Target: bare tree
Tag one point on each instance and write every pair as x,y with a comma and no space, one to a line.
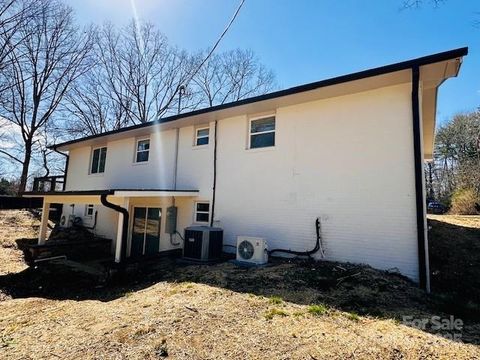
136,76
92,107
52,53
14,15
231,76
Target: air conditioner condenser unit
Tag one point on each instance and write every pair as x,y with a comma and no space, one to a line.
203,243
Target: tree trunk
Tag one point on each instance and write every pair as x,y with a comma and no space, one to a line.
430,180
26,165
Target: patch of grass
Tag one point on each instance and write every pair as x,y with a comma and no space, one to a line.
298,313
129,293
6,341
352,316
275,300
173,292
317,309
187,285
269,315
144,331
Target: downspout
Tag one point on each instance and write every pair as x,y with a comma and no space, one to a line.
417,151
175,163
214,172
124,212
66,165
181,91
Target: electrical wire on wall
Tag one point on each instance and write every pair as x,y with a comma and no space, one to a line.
172,242
318,245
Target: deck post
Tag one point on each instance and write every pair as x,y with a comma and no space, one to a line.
42,235
118,243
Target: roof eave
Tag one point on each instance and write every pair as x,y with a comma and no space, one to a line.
425,60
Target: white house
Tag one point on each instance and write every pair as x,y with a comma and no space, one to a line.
348,150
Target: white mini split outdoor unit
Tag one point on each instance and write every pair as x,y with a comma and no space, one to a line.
67,221
252,250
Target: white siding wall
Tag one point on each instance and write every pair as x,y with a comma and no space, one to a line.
347,160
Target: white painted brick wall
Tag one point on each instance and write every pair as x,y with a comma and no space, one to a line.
347,160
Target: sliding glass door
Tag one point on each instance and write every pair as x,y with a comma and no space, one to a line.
145,231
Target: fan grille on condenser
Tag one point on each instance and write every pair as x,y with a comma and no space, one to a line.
245,250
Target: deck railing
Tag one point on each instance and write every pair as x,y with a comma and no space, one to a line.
49,183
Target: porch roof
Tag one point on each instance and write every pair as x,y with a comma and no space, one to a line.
114,193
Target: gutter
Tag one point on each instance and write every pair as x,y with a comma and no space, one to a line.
124,212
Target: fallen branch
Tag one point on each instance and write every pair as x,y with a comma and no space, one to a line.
341,279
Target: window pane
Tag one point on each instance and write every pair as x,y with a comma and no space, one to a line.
203,207
88,210
262,140
142,156
143,145
153,221
202,132
267,124
202,141
103,156
202,217
95,158
139,220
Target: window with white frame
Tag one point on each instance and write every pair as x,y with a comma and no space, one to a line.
201,136
89,210
202,212
142,150
99,156
262,132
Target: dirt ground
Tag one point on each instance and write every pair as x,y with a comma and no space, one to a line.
288,310
455,263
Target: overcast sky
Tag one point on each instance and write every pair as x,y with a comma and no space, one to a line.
305,41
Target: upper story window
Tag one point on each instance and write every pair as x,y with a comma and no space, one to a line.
142,151
99,157
201,136
202,212
262,132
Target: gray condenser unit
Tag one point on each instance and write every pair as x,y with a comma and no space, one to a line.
203,243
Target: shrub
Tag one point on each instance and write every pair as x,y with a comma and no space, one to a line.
463,202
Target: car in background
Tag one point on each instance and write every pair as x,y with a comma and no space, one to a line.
434,207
